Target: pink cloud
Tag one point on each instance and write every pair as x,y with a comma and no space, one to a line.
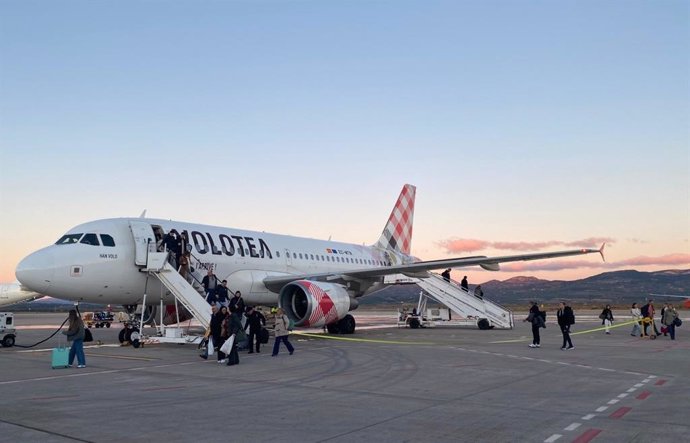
463,245
670,259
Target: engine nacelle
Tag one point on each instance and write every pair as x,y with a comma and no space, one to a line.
314,304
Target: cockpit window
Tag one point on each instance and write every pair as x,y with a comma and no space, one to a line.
69,239
90,239
107,240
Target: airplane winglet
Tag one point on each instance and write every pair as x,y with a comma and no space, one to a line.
601,252
143,214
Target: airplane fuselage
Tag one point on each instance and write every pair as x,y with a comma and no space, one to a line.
97,261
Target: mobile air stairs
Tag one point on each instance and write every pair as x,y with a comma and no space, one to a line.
190,296
487,314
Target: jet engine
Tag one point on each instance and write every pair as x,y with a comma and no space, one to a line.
314,304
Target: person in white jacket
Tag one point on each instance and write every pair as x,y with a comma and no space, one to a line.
636,315
281,332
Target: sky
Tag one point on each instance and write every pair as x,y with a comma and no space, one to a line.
526,126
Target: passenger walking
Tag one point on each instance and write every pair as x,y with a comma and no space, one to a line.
661,316
669,319
281,332
446,275
224,317
222,294
537,321
478,292
566,318
216,327
607,318
209,282
648,315
464,285
184,262
235,328
238,302
75,334
255,322
636,316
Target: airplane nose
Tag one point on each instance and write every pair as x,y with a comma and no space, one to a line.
36,270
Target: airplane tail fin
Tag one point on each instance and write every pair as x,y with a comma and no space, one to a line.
397,234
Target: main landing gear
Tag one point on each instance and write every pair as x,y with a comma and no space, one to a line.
346,325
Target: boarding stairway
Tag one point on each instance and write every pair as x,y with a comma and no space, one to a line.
465,303
189,296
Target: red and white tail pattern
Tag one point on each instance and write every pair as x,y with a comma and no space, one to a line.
397,235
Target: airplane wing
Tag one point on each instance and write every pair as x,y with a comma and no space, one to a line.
420,269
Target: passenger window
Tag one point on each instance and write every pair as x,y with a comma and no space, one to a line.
312,256
69,239
278,254
300,255
107,240
90,239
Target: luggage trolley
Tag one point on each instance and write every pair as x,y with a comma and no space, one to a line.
7,330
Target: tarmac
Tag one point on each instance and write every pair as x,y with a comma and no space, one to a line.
380,384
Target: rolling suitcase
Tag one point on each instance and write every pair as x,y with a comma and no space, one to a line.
60,357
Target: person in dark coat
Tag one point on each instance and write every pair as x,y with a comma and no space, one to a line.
224,316
255,321
209,282
170,243
222,294
535,318
606,317
566,318
446,275
235,328
216,327
464,285
238,302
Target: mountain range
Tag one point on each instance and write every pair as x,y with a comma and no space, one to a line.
618,287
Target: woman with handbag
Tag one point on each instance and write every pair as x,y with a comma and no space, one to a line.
236,334
607,318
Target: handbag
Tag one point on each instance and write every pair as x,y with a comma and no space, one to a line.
227,346
677,322
602,316
87,335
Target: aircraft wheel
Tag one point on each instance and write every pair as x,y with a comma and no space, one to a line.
133,337
414,323
347,325
483,324
107,325
333,328
122,335
8,341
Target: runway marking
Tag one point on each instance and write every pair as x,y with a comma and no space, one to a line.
85,347
572,427
601,408
165,388
620,412
613,402
589,416
86,374
639,385
623,395
587,436
646,380
631,390
660,382
55,397
553,438
643,395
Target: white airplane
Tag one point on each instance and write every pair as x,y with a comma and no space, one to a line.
317,282
12,293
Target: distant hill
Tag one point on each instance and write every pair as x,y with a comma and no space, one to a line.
610,287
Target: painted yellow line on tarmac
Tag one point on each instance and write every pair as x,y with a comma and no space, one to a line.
588,331
362,340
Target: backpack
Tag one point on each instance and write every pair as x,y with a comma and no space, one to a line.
543,315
